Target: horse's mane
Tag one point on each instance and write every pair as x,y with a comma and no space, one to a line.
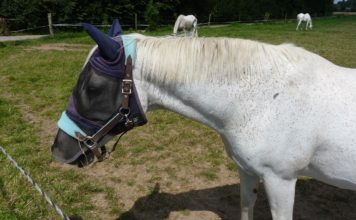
179,60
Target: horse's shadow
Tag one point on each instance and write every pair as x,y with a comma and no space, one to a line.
314,200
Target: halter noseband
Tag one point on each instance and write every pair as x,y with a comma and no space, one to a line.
69,126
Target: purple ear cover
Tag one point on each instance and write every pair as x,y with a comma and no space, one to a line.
108,47
115,29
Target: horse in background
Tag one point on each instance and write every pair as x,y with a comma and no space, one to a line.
186,24
306,18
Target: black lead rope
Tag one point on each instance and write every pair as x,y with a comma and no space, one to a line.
116,142
104,154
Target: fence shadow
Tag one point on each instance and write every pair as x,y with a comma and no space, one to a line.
314,200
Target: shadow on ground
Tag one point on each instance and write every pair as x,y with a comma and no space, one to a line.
314,200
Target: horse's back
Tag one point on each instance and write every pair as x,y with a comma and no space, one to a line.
300,16
180,17
307,16
191,18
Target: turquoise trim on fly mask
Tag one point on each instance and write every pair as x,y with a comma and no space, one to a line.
68,126
129,47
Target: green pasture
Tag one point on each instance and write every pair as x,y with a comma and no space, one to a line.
36,80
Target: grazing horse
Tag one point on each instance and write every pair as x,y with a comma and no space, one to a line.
186,24
306,18
281,111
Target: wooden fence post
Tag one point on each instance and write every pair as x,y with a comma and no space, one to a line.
50,25
3,27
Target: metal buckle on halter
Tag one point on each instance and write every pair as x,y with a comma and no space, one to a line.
125,112
90,143
87,140
126,86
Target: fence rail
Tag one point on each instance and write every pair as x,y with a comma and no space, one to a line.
344,13
214,21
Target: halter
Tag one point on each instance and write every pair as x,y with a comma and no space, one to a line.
121,122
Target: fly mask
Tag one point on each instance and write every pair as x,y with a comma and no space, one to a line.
114,59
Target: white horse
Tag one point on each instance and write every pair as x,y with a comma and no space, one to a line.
306,18
186,24
281,111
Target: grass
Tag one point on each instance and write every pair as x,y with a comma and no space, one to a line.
174,151
17,200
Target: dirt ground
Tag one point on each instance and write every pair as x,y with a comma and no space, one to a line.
61,47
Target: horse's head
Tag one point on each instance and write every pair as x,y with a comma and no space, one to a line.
104,102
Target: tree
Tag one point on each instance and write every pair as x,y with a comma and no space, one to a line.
152,15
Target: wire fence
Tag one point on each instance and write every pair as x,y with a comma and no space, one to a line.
78,26
36,186
68,26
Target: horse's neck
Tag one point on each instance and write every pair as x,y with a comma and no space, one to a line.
177,24
202,103
211,93
210,103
